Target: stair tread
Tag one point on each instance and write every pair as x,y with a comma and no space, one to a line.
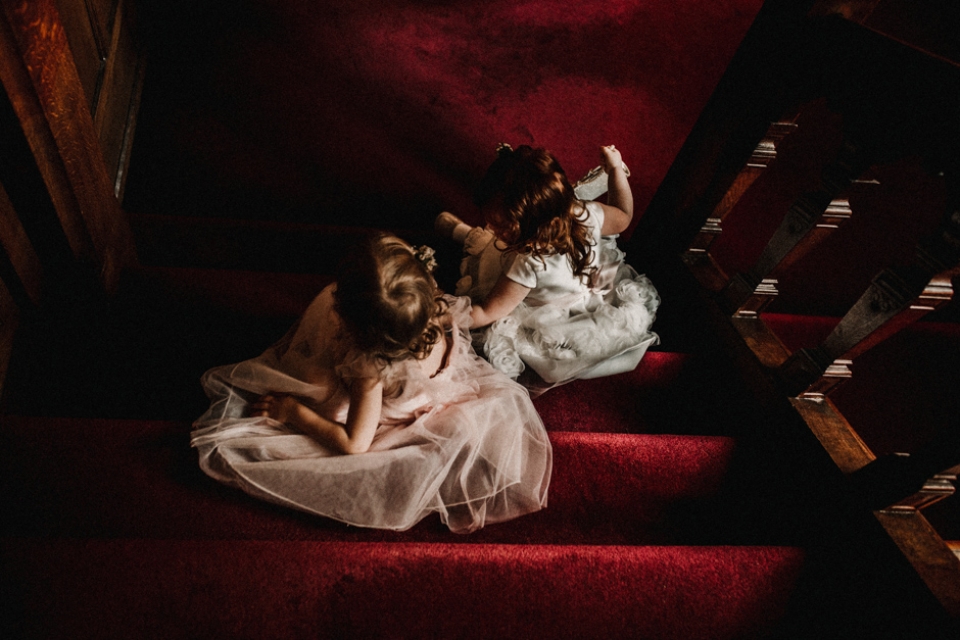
129,478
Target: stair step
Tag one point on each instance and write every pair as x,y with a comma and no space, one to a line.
140,479
297,589
613,404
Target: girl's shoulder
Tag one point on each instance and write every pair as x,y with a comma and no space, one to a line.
323,304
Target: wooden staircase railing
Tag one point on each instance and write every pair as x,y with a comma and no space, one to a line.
71,76
896,101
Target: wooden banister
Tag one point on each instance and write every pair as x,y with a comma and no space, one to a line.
65,140
802,217
20,252
897,100
697,256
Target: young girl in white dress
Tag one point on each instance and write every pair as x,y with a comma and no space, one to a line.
374,409
546,276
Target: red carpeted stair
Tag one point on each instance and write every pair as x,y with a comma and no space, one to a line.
674,511
111,530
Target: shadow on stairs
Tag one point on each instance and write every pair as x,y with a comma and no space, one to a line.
670,514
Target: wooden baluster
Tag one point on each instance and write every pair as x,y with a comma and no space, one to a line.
836,213
934,560
894,487
897,297
746,317
803,217
935,489
839,439
697,256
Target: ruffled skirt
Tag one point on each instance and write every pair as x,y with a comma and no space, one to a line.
585,336
472,450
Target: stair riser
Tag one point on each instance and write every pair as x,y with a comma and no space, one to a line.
175,589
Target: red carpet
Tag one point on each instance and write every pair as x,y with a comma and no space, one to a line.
213,589
114,523
138,479
385,113
664,520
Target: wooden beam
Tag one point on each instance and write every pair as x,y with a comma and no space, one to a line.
41,79
19,88
847,450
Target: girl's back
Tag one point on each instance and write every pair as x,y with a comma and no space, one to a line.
455,437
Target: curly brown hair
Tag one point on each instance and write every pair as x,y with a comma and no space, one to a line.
531,207
389,303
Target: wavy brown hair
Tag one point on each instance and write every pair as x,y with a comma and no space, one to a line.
390,304
531,206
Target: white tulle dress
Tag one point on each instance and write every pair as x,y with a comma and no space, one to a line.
567,327
465,443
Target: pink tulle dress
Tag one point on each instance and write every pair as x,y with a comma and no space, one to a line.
465,443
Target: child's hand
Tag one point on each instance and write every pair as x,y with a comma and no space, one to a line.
278,406
611,158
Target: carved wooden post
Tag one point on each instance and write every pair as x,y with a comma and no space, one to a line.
697,256
802,217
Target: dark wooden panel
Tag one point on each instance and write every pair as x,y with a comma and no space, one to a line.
30,113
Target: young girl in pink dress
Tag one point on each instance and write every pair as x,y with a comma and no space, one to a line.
546,277
375,411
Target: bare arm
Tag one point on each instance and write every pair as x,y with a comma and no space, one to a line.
502,299
356,436
618,212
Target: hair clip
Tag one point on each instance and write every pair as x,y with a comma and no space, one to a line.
503,149
425,255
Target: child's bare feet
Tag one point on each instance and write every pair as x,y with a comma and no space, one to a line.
280,407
